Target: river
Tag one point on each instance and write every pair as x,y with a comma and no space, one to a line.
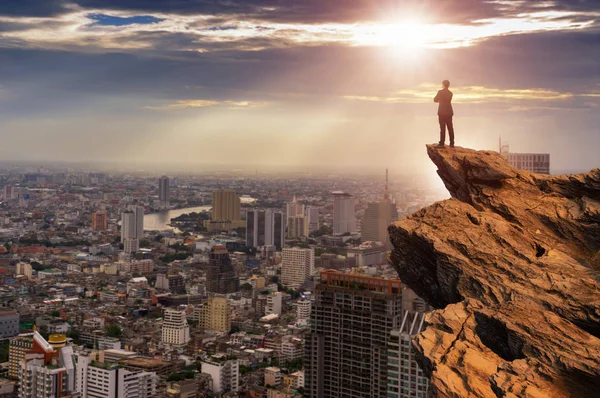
160,221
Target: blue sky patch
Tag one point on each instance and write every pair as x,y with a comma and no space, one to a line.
109,20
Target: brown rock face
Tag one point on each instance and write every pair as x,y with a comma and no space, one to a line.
512,261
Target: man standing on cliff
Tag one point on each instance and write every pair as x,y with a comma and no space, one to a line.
445,113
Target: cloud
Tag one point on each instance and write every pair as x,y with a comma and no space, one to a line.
424,93
203,103
215,29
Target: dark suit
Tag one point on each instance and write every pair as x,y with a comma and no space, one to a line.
445,113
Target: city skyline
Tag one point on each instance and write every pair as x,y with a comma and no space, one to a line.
107,81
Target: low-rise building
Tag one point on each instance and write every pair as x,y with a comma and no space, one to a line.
224,373
9,323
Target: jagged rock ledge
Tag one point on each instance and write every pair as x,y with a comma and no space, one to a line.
512,261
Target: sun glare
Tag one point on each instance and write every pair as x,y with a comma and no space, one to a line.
404,37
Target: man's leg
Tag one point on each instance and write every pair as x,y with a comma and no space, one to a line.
442,129
450,129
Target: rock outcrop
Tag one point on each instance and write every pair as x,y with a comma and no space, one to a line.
512,264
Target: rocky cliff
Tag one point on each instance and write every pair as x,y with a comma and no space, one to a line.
512,262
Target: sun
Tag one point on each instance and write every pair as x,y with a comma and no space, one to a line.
403,37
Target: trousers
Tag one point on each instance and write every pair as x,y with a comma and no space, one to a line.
446,121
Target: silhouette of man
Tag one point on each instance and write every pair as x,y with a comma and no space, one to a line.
445,113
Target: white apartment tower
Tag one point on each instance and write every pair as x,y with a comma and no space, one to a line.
312,219
224,373
175,328
296,266
297,227
132,223
274,303
131,245
46,371
344,213
96,379
163,191
303,309
534,162
405,378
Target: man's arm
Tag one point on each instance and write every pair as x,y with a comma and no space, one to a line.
437,97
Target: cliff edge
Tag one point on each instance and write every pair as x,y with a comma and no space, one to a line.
512,262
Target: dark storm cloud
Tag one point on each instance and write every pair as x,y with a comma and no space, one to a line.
305,11
19,26
32,8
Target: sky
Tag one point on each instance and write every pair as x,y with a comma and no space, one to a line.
339,84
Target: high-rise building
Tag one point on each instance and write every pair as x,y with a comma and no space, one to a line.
225,205
351,321
97,378
99,220
163,191
46,372
294,208
175,328
224,373
9,323
274,303
220,274
265,228
297,227
132,223
312,219
173,283
297,265
303,308
8,192
17,348
405,377
378,216
367,254
344,213
131,245
24,269
534,162
214,314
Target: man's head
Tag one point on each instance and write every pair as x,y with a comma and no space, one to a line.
446,83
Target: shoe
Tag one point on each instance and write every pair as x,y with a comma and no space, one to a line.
452,145
440,145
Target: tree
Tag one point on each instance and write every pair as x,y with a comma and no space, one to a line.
274,279
323,230
37,266
144,243
176,377
4,351
55,314
113,330
246,286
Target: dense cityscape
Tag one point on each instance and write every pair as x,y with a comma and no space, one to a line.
130,286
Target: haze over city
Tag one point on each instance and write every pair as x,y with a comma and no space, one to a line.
274,85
